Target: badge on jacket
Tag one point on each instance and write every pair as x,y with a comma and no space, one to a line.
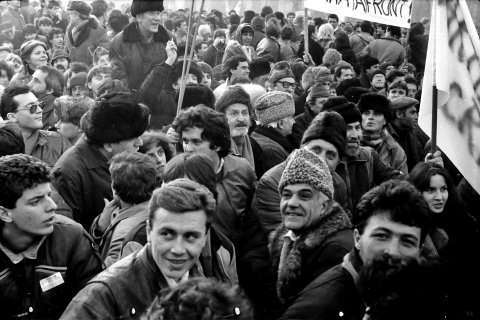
51,282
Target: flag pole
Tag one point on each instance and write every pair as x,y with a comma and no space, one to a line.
434,82
182,79
305,30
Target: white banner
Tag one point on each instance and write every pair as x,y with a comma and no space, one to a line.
390,12
453,64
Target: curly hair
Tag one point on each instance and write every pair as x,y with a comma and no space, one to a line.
183,195
202,299
71,109
155,138
133,176
195,166
400,200
18,173
214,124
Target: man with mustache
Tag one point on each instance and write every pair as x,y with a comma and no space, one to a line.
235,104
61,60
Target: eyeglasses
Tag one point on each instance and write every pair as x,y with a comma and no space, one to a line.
286,84
33,107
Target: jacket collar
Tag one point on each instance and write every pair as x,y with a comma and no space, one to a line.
272,134
128,213
132,34
92,157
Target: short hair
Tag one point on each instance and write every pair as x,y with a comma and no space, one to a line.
155,138
400,200
29,29
394,31
234,94
398,85
338,71
214,124
266,10
394,74
232,63
100,51
234,19
199,296
54,32
53,80
194,166
178,23
8,70
133,176
18,173
11,139
99,8
287,32
332,16
198,45
45,21
7,104
71,109
101,68
78,66
366,26
272,28
408,80
183,195
110,86
117,20
291,14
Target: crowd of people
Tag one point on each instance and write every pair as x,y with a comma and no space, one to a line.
263,181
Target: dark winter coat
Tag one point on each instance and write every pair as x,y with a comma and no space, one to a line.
68,250
90,38
409,142
274,145
213,56
386,49
318,248
135,59
269,45
82,178
48,115
315,50
302,122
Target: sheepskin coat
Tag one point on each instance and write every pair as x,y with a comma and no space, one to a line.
318,248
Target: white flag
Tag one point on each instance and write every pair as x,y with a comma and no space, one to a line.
453,64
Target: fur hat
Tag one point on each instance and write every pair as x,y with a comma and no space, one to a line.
81,7
348,110
374,73
318,90
60,53
346,84
233,95
116,117
280,70
304,166
196,94
328,126
353,94
274,106
259,67
375,101
194,69
322,74
141,6
255,91
402,103
78,79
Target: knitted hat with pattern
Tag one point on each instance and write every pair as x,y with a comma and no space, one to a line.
274,106
304,166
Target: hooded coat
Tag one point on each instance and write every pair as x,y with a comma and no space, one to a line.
237,48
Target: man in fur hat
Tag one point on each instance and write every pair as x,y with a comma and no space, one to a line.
82,177
141,45
84,34
315,233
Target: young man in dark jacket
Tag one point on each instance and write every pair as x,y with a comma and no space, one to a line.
44,259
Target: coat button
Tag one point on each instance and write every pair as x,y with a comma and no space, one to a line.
30,309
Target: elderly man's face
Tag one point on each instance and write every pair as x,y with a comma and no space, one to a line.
301,206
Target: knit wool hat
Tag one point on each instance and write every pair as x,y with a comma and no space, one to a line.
141,6
274,106
116,117
280,70
304,166
27,47
348,110
376,102
81,7
402,103
328,126
259,67
346,84
78,79
60,53
318,90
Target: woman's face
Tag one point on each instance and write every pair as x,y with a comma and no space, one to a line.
157,153
436,195
38,57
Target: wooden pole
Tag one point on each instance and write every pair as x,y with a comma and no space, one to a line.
182,79
305,31
434,86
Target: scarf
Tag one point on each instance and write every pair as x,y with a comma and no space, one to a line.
374,139
245,150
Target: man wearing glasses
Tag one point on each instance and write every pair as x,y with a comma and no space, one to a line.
282,78
18,104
